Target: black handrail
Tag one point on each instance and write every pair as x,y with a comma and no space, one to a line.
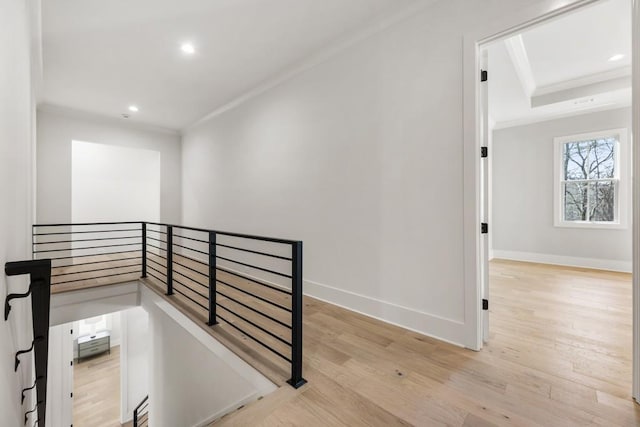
140,411
204,230
40,291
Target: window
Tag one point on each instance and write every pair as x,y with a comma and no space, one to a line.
591,175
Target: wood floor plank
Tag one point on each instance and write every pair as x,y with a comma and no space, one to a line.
96,391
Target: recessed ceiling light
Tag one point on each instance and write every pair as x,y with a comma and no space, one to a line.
616,57
188,48
133,108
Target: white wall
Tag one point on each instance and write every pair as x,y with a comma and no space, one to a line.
58,128
83,304
134,360
193,378
16,136
522,193
361,157
112,183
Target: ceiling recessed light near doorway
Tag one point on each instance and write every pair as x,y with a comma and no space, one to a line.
616,57
188,48
133,108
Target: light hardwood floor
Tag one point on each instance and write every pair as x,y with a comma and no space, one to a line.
96,391
559,356
95,270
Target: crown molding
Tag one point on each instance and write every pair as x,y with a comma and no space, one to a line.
353,38
585,91
520,59
99,118
587,80
555,116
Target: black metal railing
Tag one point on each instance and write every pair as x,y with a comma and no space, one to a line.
253,284
40,292
141,413
85,253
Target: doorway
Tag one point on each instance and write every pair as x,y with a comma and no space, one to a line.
96,370
604,90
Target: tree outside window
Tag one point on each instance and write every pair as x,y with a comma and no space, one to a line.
589,180
588,176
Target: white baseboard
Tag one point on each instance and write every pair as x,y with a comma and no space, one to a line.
444,329
447,330
595,263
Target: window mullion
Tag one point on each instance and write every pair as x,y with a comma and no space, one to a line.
588,213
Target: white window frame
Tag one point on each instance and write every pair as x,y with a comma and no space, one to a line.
623,196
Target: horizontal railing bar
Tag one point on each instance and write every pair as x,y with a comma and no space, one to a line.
95,262
154,246
161,265
275,288
255,339
155,269
222,233
261,238
190,238
193,280
253,266
255,296
157,240
254,252
96,277
153,275
226,233
179,226
88,247
254,310
88,223
85,240
157,231
83,256
85,232
159,256
192,259
266,331
189,268
191,249
187,296
191,289
95,269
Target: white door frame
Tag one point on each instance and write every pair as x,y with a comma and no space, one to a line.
498,28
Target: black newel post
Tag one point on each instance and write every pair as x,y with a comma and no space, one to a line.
296,316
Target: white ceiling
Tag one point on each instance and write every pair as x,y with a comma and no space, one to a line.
562,67
102,56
